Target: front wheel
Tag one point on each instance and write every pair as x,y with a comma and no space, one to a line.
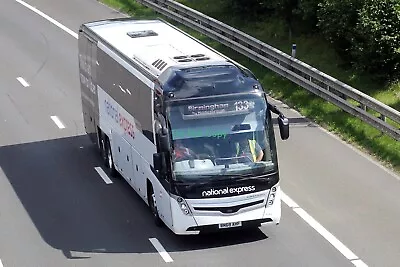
153,207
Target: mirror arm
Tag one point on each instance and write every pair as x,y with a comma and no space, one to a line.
161,119
275,110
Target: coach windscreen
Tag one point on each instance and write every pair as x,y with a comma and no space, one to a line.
217,136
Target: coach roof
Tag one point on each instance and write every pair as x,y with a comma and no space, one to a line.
154,44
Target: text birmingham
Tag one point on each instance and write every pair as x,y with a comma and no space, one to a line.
207,107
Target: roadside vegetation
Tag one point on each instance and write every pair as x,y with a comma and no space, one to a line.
360,46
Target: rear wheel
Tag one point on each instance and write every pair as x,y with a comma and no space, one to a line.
153,207
99,142
102,149
108,157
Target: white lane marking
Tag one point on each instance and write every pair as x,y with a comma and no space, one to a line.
1,264
103,175
23,82
40,13
342,248
288,201
122,89
57,122
164,254
323,232
359,263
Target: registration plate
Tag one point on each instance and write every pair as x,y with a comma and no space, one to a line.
230,225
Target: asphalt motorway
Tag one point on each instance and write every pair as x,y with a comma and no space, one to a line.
55,209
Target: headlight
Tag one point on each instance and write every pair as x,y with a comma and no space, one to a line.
271,196
183,205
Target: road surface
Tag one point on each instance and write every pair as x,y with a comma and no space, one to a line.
55,209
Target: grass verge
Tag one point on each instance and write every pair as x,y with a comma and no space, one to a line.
311,49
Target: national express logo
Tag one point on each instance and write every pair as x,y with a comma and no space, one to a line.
120,119
227,190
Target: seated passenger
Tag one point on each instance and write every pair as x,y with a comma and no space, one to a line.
181,152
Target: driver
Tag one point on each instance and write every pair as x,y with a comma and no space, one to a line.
250,149
181,152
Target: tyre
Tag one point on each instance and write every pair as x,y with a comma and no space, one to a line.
100,144
102,147
109,161
153,207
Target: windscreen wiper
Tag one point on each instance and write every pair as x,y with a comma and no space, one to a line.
252,176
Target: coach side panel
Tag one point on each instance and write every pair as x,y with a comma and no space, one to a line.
126,111
132,94
88,83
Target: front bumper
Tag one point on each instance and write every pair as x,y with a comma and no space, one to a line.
215,227
208,221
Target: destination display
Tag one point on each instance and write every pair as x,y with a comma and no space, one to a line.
227,107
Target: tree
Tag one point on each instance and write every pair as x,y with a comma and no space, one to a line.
377,47
246,8
337,20
295,11
307,10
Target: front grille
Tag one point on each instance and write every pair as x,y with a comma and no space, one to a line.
231,209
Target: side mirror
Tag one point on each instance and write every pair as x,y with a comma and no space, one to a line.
164,140
159,162
283,123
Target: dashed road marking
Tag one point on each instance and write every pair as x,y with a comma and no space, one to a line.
163,253
23,82
103,175
57,122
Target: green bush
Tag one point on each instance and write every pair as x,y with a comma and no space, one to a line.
337,20
247,9
377,48
365,33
